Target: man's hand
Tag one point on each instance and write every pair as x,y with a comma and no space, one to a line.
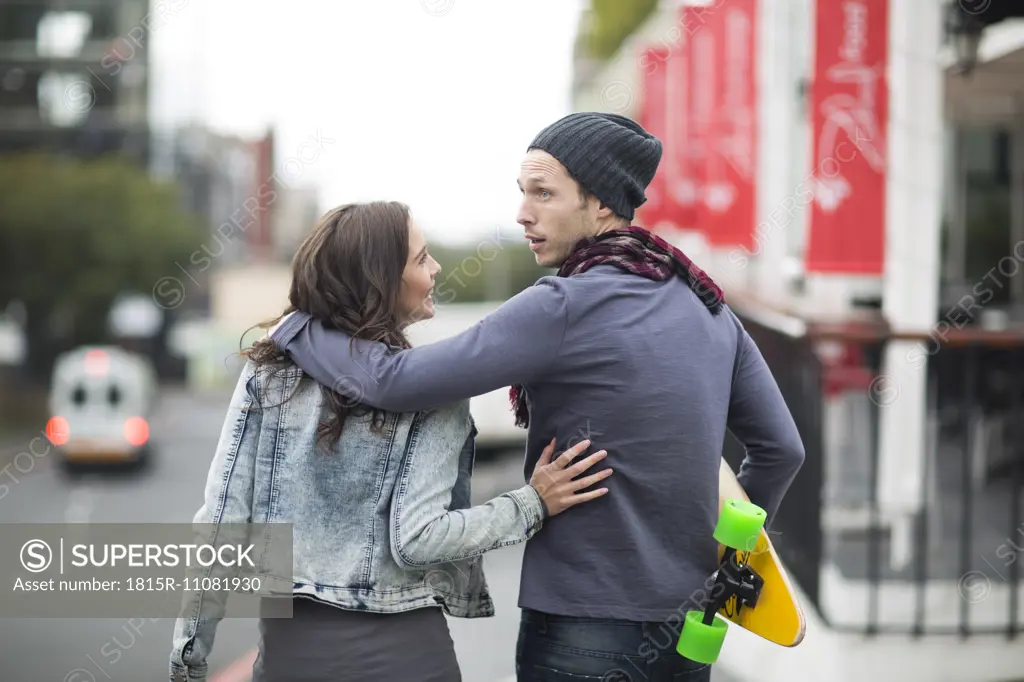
553,480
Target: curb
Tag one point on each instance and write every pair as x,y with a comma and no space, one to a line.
239,671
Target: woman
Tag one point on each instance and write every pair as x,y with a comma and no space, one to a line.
383,534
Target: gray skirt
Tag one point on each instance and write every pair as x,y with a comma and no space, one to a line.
324,643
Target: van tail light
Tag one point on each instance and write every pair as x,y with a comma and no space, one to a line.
58,430
136,431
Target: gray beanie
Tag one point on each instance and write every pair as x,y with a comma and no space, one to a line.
610,155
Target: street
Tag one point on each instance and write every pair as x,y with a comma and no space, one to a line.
170,490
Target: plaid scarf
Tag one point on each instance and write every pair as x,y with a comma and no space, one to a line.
634,250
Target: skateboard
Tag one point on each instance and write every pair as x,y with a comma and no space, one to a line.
751,587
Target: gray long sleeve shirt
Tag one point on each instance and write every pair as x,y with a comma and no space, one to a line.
644,371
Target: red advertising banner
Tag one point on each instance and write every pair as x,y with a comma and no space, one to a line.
652,117
701,104
730,161
849,112
678,156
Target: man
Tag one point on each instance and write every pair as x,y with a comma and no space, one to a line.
630,346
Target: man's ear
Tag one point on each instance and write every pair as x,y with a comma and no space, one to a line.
603,211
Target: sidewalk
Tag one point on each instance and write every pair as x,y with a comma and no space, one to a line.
716,676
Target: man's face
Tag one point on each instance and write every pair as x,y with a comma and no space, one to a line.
552,213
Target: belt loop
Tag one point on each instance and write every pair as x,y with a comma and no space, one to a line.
539,620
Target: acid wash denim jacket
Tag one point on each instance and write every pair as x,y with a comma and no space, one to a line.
380,523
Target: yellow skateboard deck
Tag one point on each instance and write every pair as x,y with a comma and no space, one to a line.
777,616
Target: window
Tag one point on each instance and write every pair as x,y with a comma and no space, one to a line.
65,98
62,34
987,210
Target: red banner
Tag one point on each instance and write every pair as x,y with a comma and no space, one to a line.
701,103
652,117
727,44
678,157
849,112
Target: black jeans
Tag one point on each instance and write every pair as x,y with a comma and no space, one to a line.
567,649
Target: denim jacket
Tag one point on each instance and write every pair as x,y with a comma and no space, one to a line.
380,523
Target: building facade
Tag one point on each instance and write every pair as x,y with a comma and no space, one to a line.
227,181
74,76
256,215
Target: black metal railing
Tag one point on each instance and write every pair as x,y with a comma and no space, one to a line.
966,538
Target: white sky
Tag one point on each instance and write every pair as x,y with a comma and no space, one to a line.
434,109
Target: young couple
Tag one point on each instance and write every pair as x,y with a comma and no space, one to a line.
365,445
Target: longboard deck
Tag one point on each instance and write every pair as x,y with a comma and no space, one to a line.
777,616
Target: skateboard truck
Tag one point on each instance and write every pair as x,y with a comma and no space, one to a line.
733,579
739,526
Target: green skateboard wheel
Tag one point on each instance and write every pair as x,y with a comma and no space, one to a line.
700,642
740,525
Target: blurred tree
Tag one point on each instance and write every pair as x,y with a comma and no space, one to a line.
73,235
523,268
612,21
493,270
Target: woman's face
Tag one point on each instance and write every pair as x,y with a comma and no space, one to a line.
415,301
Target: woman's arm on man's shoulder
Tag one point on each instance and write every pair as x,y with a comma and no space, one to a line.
517,343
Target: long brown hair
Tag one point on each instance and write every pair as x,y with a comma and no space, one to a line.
347,273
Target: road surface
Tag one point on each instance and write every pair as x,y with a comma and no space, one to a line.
119,650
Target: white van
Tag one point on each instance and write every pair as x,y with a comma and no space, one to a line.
101,401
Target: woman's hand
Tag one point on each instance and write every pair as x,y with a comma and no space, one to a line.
553,480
